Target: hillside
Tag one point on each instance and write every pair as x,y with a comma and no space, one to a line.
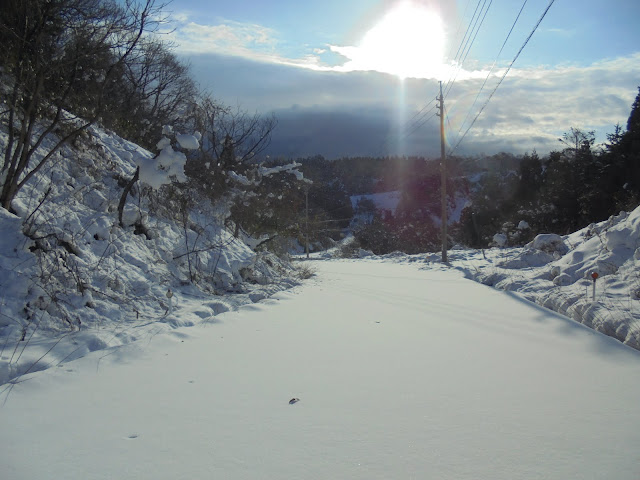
73,280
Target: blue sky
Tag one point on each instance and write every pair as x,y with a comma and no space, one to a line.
340,76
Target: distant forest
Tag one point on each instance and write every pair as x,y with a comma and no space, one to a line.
518,196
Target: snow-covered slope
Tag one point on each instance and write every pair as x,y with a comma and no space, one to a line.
72,280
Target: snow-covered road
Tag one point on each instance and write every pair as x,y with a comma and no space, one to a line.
401,373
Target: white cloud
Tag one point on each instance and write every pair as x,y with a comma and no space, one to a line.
532,107
227,38
263,44
563,32
535,105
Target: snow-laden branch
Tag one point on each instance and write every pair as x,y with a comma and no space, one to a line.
290,168
168,164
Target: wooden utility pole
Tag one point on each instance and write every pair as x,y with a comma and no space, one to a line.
443,179
306,221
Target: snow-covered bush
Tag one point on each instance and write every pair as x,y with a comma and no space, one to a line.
499,240
268,202
550,243
562,280
347,248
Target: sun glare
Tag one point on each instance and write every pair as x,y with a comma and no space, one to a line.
407,42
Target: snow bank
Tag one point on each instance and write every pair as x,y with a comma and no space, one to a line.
556,272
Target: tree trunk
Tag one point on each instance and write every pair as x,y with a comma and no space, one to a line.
125,193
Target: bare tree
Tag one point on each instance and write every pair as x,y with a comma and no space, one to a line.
578,141
226,129
231,140
161,92
59,56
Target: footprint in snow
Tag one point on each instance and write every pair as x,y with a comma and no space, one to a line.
132,436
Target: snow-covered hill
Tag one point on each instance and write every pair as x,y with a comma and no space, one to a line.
72,280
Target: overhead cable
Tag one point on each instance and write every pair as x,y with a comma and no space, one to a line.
493,66
505,74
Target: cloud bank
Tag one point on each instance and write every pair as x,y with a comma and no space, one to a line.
405,56
329,105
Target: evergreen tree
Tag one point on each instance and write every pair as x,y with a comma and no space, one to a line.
629,150
621,163
530,178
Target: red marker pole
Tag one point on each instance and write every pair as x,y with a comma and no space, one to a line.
594,275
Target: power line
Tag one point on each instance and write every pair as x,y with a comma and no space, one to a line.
449,123
417,114
459,26
493,66
421,117
463,49
462,42
477,20
419,125
469,43
473,17
505,74
417,121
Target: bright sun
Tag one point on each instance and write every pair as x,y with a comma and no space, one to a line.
407,42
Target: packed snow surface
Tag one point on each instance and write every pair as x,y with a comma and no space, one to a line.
400,371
